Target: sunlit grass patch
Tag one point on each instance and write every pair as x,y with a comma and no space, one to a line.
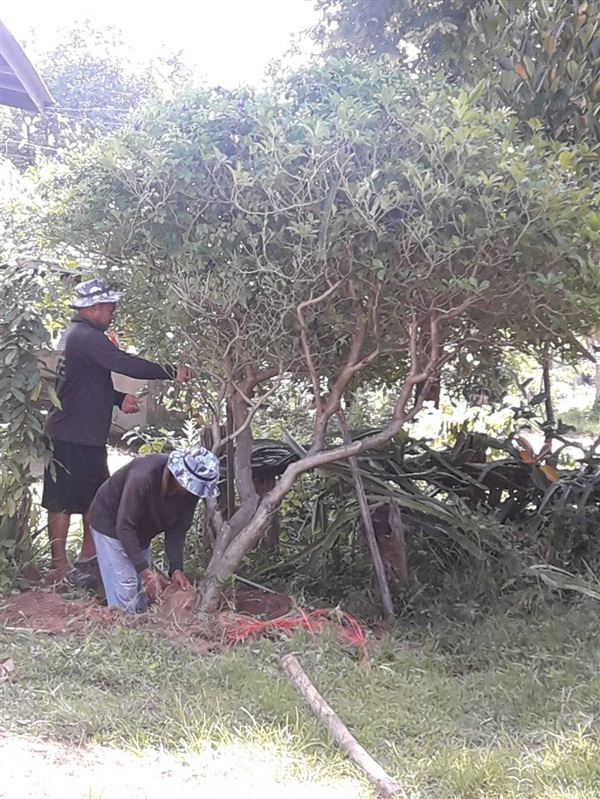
264,767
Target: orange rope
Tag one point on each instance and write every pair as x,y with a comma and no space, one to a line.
348,629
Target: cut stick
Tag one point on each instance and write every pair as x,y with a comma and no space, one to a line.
337,729
383,587
397,534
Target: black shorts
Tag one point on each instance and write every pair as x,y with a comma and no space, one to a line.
79,471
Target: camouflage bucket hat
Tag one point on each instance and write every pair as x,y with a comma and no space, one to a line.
197,470
94,292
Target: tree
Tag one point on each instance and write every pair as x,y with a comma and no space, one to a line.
540,58
352,222
95,88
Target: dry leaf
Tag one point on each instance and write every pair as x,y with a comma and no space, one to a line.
550,472
7,668
521,71
526,457
524,444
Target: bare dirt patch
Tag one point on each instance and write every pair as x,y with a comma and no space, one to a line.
49,612
175,617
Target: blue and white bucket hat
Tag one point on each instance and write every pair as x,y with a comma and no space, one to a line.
94,292
197,470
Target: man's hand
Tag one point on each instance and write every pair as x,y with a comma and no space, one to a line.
179,579
154,583
130,404
184,373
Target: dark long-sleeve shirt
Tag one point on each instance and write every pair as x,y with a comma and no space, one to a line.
84,384
132,506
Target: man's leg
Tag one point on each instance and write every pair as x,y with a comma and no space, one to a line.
88,550
59,496
58,528
122,583
85,572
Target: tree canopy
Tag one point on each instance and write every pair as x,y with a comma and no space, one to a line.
241,206
540,58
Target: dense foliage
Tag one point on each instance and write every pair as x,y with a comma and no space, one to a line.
21,443
354,222
540,58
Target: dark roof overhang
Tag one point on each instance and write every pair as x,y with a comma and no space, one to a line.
20,84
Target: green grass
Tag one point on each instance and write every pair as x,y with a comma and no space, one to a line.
499,708
586,421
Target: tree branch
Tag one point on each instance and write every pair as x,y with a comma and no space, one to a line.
305,344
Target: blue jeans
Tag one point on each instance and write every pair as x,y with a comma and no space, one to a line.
122,584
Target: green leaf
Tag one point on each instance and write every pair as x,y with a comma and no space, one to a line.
565,159
53,397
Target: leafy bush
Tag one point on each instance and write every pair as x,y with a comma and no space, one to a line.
21,443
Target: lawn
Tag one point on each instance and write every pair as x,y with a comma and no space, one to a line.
502,707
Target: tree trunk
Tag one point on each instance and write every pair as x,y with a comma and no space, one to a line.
250,521
547,387
270,540
397,535
550,425
224,563
230,461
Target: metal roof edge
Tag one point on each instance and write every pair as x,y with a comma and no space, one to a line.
33,85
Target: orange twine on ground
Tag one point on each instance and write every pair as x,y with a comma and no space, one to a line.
348,629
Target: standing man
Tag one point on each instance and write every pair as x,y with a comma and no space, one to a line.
150,495
78,430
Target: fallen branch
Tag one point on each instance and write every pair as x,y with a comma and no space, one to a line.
386,786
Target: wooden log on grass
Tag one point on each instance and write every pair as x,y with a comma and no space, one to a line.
386,786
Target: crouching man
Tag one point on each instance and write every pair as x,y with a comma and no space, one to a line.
152,494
